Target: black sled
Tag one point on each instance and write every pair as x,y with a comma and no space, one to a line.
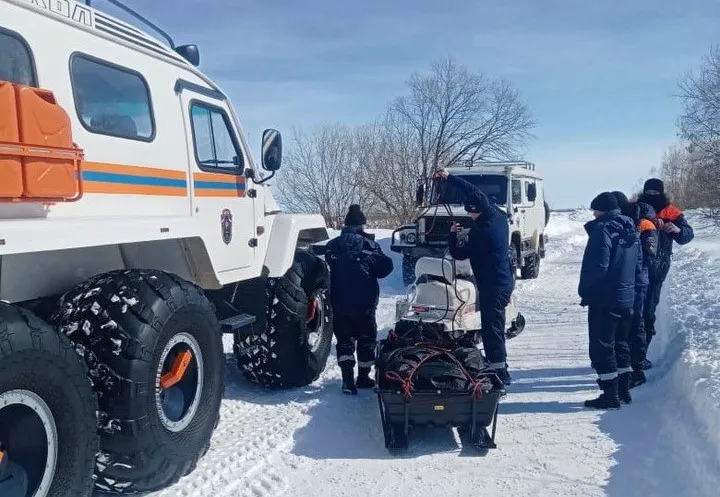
474,413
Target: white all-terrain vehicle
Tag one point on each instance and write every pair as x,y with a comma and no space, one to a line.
135,229
514,186
442,298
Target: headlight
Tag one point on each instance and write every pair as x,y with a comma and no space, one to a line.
411,238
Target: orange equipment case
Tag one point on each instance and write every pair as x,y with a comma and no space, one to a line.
38,160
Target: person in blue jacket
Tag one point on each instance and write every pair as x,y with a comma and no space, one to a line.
644,217
488,248
356,263
607,287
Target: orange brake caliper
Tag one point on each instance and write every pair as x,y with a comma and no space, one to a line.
313,307
178,370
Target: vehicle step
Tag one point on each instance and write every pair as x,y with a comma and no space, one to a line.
237,322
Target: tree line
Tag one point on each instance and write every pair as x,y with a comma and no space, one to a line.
448,115
691,167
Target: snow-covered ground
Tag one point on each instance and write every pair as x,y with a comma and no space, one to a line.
317,442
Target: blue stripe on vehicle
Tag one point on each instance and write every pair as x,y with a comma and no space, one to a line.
129,179
219,185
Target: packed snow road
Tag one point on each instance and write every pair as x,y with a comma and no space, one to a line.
316,442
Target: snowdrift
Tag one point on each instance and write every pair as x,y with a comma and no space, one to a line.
687,346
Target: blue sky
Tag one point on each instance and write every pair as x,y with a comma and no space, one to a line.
599,77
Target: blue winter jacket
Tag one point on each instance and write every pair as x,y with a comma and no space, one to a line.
356,263
488,244
611,262
645,221
644,217
667,212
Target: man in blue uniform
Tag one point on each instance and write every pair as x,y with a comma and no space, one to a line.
611,261
645,219
488,248
356,263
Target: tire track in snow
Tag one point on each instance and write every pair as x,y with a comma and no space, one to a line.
255,424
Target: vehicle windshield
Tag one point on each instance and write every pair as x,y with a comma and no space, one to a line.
494,186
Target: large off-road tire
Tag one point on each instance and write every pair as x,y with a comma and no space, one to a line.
531,269
293,348
408,269
133,327
547,213
48,422
514,261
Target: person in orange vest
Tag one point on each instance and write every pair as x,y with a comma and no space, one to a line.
672,227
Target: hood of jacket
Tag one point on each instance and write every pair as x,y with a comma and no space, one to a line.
614,222
352,241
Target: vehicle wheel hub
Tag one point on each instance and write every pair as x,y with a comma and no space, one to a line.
29,441
179,382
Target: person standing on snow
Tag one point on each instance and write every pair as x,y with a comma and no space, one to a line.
488,248
672,227
356,263
607,287
644,217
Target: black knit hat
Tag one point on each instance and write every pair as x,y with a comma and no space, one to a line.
355,216
604,202
655,185
622,200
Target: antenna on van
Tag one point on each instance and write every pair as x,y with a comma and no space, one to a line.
139,17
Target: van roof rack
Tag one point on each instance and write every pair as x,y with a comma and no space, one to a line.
523,164
190,53
139,17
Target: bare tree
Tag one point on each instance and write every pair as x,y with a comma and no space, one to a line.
700,127
456,116
449,116
390,176
320,173
700,95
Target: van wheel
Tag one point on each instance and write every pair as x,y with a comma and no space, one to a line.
531,270
294,346
513,262
154,347
48,425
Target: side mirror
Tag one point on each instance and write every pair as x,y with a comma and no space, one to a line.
420,195
191,53
271,150
532,192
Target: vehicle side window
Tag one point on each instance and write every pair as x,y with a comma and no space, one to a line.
16,61
111,100
527,191
215,146
516,191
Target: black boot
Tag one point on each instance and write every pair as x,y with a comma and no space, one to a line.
647,364
364,380
609,398
348,379
624,388
638,378
504,376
